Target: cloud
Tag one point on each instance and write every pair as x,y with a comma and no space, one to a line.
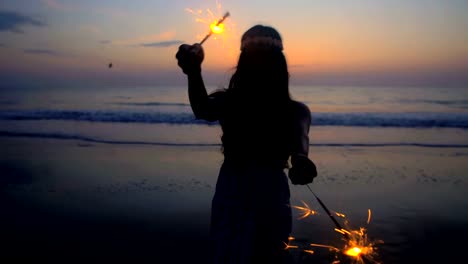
42,52
105,42
147,39
162,44
2,45
12,21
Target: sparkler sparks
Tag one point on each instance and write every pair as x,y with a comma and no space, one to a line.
305,210
217,28
216,22
354,252
288,245
357,246
325,246
343,231
340,214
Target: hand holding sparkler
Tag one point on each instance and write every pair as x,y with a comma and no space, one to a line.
190,57
303,170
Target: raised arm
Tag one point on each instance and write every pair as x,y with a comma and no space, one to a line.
189,59
197,95
303,170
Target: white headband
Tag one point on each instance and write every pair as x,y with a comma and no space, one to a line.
262,42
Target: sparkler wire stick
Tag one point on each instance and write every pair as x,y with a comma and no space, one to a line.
338,226
217,24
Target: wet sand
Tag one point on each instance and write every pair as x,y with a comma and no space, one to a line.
72,201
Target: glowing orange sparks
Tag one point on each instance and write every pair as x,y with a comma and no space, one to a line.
357,244
354,252
217,24
217,29
342,231
305,210
325,246
359,247
340,214
287,245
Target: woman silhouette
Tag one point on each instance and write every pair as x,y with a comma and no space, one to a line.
262,128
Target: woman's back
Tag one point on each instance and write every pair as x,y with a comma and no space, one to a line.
260,132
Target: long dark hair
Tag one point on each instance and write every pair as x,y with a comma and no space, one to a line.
255,122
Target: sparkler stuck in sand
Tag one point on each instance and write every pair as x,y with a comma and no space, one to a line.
216,27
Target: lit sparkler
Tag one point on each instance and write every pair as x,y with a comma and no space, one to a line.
357,244
217,25
359,247
338,226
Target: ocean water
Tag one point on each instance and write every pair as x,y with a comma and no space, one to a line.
127,174
433,116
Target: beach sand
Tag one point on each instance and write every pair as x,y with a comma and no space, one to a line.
68,201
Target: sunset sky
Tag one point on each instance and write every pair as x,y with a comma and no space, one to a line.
384,42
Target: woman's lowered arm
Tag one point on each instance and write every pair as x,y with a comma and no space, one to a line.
303,170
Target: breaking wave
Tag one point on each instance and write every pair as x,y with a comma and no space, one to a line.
409,120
